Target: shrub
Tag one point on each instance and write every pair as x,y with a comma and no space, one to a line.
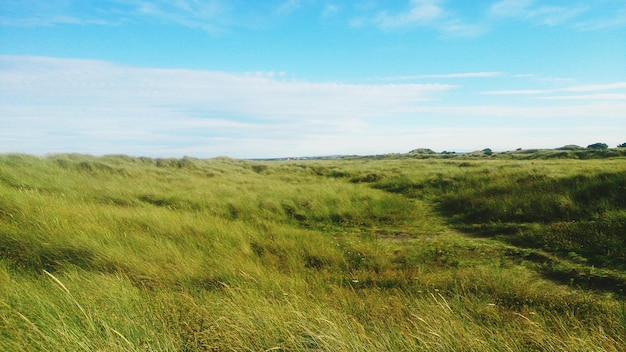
422,151
598,146
570,147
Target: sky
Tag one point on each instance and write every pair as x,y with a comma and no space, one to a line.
289,78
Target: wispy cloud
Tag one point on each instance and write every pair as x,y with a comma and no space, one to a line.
516,92
596,87
330,10
289,6
578,97
458,28
420,12
54,105
95,101
488,74
542,14
38,13
520,113
614,20
510,8
222,16
442,17
576,88
213,16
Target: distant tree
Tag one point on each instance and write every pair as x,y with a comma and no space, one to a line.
570,147
598,146
422,151
623,145
487,151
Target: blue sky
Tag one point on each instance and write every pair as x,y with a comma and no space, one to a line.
276,78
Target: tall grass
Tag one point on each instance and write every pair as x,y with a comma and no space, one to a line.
123,253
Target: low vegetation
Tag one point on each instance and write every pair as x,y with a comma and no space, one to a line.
516,251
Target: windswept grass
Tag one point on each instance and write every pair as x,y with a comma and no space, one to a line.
120,253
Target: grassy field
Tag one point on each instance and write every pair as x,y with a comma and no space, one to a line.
520,251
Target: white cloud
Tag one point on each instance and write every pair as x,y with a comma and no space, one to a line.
615,20
516,92
57,105
36,13
596,87
50,20
510,8
576,88
98,103
459,29
82,82
612,110
528,10
578,97
221,16
487,74
420,12
445,19
330,10
288,6
212,16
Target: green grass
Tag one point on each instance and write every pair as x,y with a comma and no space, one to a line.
404,252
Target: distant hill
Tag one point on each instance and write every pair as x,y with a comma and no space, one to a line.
565,152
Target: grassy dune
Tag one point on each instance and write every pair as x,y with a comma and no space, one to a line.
404,252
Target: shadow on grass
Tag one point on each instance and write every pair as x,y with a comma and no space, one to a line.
572,227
